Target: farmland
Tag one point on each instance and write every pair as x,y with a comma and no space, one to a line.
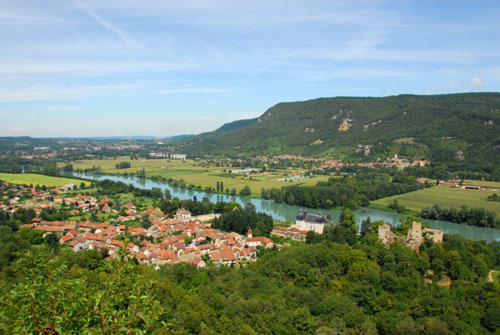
192,172
444,196
30,178
485,184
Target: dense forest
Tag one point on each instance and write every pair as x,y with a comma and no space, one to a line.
358,287
459,130
345,191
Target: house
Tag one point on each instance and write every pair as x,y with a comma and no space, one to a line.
260,241
290,232
227,256
69,187
182,215
198,262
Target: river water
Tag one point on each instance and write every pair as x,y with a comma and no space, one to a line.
284,212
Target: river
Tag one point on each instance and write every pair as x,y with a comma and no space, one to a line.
284,212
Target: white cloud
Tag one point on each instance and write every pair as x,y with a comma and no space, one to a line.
17,129
476,82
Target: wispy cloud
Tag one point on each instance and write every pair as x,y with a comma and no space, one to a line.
54,93
7,15
103,22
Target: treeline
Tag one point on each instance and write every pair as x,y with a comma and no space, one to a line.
470,216
358,287
344,192
111,187
197,207
242,220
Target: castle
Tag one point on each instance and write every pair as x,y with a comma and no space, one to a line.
416,236
307,222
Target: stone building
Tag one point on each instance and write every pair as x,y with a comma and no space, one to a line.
416,236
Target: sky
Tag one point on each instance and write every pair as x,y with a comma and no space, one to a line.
81,68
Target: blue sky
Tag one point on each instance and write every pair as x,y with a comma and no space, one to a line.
162,68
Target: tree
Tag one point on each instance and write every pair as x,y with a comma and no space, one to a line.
365,226
245,191
312,237
233,192
345,231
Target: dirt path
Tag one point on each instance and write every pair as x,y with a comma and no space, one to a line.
490,275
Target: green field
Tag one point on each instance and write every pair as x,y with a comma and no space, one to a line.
192,173
30,178
486,184
444,196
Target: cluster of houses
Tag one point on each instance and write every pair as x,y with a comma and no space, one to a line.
166,240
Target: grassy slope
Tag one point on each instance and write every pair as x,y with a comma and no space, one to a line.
30,178
197,175
445,196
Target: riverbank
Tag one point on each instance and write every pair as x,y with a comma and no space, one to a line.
285,212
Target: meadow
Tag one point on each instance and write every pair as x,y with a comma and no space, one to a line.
31,178
444,196
192,172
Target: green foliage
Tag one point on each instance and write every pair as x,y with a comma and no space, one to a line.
471,216
493,197
345,231
319,288
242,220
50,301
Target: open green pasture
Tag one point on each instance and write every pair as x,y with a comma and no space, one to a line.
31,178
444,196
192,173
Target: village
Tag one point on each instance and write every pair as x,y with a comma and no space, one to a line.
166,240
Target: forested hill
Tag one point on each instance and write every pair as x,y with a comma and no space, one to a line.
449,127
235,125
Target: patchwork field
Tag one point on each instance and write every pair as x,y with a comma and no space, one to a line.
30,178
192,173
444,196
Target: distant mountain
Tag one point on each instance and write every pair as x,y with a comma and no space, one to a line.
235,125
178,137
460,128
